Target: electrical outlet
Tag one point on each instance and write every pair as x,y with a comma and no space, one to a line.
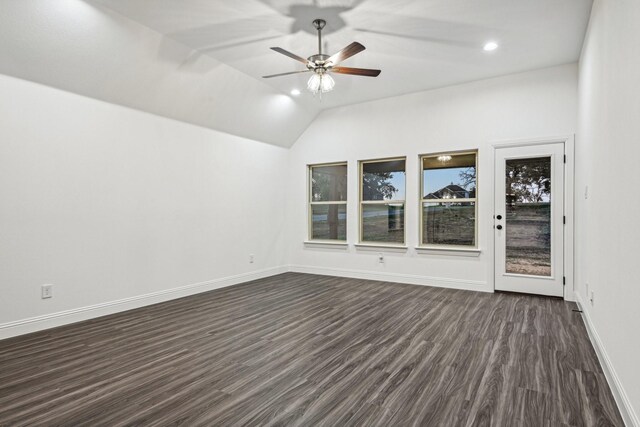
46,291
251,259
381,258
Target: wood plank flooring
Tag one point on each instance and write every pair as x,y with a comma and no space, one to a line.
298,349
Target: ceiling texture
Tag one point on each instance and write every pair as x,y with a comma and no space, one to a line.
201,61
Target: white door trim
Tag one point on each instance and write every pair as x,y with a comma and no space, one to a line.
569,194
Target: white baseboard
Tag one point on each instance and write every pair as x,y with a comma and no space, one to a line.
52,320
33,324
624,403
440,282
47,321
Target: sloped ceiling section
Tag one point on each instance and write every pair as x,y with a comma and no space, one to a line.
418,44
93,51
201,61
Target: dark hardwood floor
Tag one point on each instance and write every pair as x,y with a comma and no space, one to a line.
298,349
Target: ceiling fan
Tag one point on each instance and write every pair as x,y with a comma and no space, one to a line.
321,65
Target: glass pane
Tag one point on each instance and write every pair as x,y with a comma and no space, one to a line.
329,222
528,216
383,180
383,223
329,183
449,224
449,176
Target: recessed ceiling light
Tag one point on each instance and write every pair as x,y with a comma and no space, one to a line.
490,46
295,92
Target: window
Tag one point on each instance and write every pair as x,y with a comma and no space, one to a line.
448,208
382,196
328,202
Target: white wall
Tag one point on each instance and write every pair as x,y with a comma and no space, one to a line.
608,230
109,203
88,49
112,204
533,104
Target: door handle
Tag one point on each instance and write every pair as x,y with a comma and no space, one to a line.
499,227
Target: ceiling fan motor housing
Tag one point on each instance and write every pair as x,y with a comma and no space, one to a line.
321,64
319,23
317,62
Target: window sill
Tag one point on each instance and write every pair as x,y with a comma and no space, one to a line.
326,243
381,246
455,251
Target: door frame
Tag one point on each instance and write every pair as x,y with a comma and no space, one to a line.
569,191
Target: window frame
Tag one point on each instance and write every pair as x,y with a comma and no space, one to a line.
362,202
422,201
311,203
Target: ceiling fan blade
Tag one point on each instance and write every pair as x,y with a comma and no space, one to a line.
284,74
356,71
290,55
345,53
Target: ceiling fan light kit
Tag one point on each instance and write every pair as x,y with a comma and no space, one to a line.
321,65
320,83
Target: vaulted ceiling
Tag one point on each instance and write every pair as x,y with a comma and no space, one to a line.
201,61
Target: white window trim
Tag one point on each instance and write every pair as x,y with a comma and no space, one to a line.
337,243
311,203
381,247
448,249
366,243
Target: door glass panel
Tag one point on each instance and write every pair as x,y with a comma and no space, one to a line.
528,216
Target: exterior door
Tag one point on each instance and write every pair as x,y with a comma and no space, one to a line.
529,218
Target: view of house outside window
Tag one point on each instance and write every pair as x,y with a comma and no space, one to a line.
449,199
